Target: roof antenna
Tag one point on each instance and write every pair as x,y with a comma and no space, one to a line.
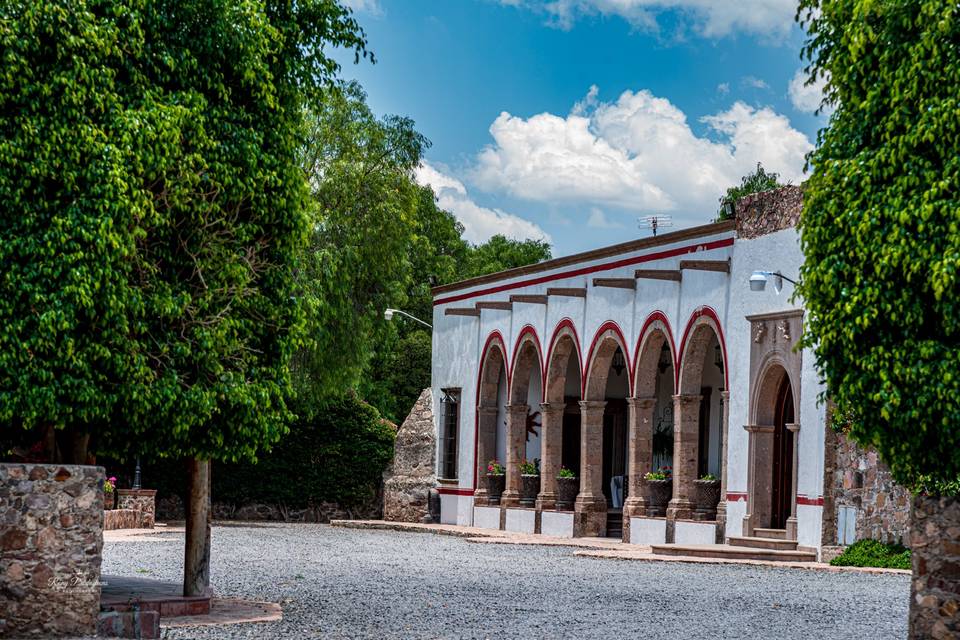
654,222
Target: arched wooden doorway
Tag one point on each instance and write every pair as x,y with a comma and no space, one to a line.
782,486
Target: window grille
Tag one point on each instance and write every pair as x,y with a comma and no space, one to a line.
451,432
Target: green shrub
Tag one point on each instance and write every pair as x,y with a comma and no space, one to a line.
872,553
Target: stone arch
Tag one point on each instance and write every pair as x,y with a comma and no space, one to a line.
702,327
563,345
772,371
654,335
527,359
493,365
605,343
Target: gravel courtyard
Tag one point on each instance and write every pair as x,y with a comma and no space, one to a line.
343,583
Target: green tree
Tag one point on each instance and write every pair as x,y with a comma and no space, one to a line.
500,253
363,222
759,180
881,227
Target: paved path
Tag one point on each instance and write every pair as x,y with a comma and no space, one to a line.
347,583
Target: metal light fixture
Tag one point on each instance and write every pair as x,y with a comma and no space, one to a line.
718,357
618,363
665,361
758,281
388,315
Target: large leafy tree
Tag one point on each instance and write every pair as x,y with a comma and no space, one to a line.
881,227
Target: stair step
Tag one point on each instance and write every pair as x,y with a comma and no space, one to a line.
614,524
776,534
762,543
729,552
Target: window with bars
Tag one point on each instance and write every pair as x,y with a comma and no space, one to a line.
451,430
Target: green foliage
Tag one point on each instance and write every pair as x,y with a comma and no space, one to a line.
759,180
399,372
494,468
530,467
881,227
363,222
500,253
709,477
152,205
663,473
871,553
566,473
335,452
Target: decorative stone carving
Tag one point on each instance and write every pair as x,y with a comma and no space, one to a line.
759,331
407,482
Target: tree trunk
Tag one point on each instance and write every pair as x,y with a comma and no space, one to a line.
196,560
935,543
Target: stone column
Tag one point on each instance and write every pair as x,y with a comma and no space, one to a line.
590,509
791,524
759,477
640,452
686,434
551,443
516,451
486,450
724,447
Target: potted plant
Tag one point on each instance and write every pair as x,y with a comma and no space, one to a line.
109,493
706,496
568,486
659,485
529,481
495,481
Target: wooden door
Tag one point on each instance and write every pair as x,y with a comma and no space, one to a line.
782,457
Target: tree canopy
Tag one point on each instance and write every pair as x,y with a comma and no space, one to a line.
755,182
881,227
152,205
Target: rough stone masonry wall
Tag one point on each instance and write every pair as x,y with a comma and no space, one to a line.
408,481
143,501
761,213
51,537
171,507
856,477
935,591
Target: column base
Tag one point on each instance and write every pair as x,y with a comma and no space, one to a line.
590,516
748,525
510,499
791,527
480,498
634,506
680,509
722,521
546,501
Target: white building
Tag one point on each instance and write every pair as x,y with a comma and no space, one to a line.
593,361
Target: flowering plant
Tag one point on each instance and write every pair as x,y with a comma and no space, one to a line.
663,473
709,477
530,467
566,473
494,468
109,484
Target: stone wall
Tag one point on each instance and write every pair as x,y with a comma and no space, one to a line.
854,477
170,508
143,501
408,480
768,211
51,538
935,591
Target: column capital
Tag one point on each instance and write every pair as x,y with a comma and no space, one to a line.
724,396
759,428
487,411
793,427
642,403
688,398
554,407
592,405
522,409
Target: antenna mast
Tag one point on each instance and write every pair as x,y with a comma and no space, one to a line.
654,222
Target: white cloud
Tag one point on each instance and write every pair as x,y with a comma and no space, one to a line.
711,18
370,7
807,97
754,82
723,88
598,219
638,153
479,223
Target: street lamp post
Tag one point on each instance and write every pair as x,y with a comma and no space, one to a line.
388,315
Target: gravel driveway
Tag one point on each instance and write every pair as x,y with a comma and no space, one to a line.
344,583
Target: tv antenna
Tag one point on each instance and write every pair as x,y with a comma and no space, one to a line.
654,222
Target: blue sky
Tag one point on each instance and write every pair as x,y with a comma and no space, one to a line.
569,119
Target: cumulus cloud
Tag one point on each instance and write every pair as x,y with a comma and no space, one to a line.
598,219
638,153
723,88
807,97
711,18
479,223
754,82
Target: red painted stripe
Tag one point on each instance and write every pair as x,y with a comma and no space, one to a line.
736,496
626,262
809,501
453,491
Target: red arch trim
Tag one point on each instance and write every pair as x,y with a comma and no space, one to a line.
653,317
565,322
491,339
612,326
528,329
709,313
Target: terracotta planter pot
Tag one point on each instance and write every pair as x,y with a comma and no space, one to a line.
495,485
659,493
529,488
706,497
567,490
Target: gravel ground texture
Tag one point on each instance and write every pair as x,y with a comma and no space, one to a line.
345,583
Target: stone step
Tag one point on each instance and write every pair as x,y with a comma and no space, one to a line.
762,543
776,534
729,552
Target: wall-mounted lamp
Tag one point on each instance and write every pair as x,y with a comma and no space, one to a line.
665,361
718,357
618,363
758,281
388,315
